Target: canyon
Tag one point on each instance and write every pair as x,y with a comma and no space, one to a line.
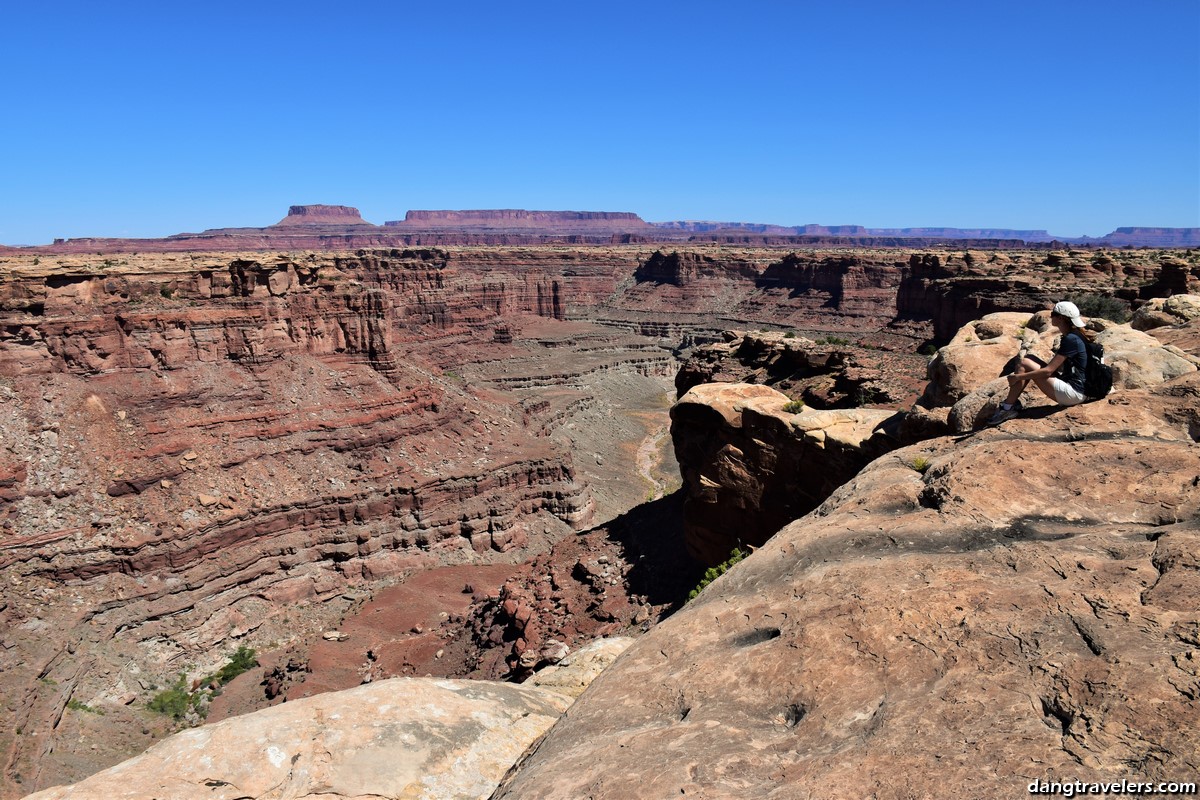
448,460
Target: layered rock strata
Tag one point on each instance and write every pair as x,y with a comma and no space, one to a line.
209,450
951,291
334,227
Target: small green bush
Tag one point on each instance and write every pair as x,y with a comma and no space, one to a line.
175,701
832,340
1098,305
928,350
865,396
241,661
920,464
794,407
78,705
712,573
790,335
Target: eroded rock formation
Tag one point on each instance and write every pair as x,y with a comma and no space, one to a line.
751,464
881,369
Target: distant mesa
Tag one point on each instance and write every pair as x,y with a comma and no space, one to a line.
857,231
515,219
322,215
1153,237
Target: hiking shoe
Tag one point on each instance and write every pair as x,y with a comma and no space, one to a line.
1003,413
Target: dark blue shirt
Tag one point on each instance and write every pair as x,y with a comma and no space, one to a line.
1073,350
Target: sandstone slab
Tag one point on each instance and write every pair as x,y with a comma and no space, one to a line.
1160,312
404,737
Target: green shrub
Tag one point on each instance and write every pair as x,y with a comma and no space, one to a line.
240,662
177,699
929,350
1098,305
865,396
174,701
832,340
920,464
794,407
712,573
790,335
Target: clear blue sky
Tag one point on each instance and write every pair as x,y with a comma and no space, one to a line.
152,118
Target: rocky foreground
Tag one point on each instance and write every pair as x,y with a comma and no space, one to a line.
965,616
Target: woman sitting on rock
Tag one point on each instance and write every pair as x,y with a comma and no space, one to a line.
1062,379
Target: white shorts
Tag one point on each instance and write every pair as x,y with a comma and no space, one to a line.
1065,394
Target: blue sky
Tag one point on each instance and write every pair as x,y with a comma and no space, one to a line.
153,118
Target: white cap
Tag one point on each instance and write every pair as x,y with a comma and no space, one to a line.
1071,311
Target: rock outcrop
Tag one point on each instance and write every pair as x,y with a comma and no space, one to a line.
880,369
1153,237
333,226
751,464
963,617
405,737
550,223
1162,312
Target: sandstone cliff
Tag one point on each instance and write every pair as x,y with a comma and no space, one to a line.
328,227
322,215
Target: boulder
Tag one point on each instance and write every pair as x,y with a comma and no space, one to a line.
1161,312
404,737
575,672
979,352
1139,360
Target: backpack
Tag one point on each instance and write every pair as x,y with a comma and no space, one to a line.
1098,376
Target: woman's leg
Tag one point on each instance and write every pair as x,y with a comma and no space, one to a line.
1046,387
1026,365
